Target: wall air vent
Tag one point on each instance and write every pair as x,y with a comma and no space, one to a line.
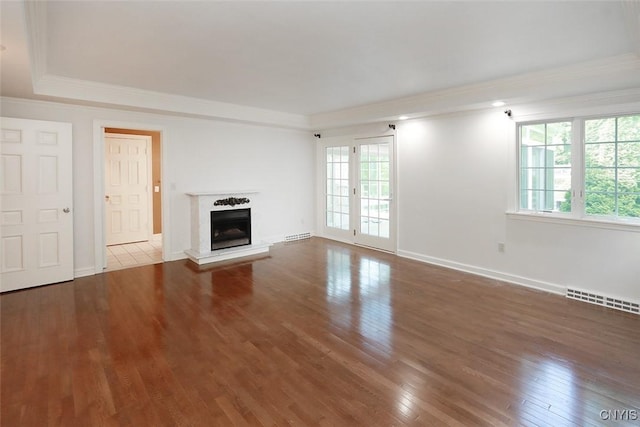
606,301
294,237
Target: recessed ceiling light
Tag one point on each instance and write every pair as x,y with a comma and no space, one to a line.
403,118
499,104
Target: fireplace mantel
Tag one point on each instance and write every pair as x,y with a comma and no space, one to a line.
202,204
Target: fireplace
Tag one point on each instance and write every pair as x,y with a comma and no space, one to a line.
225,225
230,228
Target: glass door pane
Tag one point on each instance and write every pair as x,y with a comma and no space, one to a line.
375,161
337,183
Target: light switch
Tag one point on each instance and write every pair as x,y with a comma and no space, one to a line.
156,188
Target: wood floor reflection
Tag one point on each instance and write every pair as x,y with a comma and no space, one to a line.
318,333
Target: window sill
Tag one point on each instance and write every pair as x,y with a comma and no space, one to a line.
552,218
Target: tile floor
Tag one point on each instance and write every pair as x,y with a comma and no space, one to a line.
133,254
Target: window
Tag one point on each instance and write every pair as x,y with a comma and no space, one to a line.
337,187
612,166
605,155
545,167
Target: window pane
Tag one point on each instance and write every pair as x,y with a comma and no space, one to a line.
364,189
532,179
561,179
344,154
536,200
533,157
336,220
629,205
384,228
345,221
629,154
561,155
344,187
373,189
364,153
600,130
629,180
600,180
384,209
374,209
629,128
344,205
384,190
557,201
364,207
384,171
336,203
373,227
532,134
329,203
344,170
600,203
329,219
559,133
600,155
336,187
336,170
364,225
329,151
364,171
384,152
373,171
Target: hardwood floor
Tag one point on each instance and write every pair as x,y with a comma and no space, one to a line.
319,333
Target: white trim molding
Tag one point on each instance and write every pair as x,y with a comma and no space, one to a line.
616,73
484,272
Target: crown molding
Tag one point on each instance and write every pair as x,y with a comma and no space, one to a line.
101,93
594,104
615,73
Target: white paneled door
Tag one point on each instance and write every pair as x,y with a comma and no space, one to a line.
127,192
37,199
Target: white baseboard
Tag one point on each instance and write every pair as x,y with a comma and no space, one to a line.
177,256
85,271
156,237
492,274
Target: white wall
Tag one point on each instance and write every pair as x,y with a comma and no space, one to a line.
199,155
456,177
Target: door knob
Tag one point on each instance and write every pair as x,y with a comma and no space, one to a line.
106,198
66,210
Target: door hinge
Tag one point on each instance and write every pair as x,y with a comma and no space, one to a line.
354,150
354,231
354,191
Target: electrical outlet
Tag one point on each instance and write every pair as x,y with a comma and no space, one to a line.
501,247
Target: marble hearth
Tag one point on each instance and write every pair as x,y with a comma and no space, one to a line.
202,204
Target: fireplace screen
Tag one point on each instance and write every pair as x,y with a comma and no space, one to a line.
230,228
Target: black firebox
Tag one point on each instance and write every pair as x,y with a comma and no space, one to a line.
230,228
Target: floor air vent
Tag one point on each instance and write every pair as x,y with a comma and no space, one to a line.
590,297
294,237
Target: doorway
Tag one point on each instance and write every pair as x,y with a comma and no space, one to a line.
133,198
358,187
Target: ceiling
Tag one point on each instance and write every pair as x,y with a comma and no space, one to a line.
296,61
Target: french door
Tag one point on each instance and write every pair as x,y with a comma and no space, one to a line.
358,192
